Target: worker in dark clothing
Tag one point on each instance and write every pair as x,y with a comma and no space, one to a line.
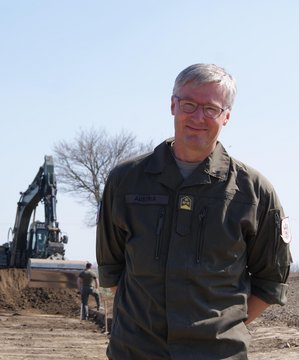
88,284
195,242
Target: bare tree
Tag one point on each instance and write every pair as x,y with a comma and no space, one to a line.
83,165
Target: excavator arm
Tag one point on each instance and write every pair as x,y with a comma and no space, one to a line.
39,245
42,189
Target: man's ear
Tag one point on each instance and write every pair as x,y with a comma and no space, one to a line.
226,119
172,105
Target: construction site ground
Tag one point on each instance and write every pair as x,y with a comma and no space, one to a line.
45,324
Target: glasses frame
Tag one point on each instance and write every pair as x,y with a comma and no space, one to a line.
197,106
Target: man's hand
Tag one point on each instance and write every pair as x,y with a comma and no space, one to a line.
97,284
113,289
255,307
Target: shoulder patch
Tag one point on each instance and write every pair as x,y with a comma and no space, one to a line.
285,230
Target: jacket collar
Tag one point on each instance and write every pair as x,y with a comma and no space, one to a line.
164,166
162,163
218,163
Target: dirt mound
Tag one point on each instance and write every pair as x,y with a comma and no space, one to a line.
15,295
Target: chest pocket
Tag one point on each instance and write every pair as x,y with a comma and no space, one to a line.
220,226
146,216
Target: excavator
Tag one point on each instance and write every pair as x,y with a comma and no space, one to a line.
39,245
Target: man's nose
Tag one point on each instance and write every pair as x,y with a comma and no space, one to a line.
198,114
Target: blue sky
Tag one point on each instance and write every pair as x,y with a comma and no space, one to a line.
68,65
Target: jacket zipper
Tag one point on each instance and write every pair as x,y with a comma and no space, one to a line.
158,232
276,235
200,238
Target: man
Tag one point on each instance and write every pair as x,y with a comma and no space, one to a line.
195,241
88,284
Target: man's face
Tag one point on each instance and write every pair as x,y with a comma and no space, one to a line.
196,133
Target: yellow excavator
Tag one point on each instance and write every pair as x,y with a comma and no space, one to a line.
39,245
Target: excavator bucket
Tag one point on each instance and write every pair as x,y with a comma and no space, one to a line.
47,273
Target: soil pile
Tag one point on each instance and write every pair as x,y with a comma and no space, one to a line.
15,295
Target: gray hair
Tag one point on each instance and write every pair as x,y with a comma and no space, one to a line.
207,73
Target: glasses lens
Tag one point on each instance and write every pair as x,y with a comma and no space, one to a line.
188,106
211,111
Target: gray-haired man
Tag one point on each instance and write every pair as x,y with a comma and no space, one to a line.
195,241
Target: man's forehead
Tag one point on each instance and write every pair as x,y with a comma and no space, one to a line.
212,89
197,84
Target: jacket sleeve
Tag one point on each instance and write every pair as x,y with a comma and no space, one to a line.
269,255
109,240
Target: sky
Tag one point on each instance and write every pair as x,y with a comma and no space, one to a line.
68,65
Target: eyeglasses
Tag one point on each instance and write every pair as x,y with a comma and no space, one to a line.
209,111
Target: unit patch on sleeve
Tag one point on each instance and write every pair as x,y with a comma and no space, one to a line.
285,230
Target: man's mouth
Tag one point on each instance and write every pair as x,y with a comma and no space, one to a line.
196,129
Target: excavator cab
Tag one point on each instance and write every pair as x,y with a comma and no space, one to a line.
42,243
37,240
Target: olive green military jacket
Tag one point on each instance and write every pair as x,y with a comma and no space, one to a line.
185,255
88,278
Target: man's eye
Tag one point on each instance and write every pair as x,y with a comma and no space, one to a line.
211,110
189,106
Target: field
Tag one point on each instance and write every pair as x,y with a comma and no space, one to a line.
45,324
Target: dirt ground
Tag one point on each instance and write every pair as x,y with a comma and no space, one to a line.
45,324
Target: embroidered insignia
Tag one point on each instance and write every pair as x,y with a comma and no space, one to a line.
285,230
186,202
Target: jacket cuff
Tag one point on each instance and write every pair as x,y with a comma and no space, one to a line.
269,291
109,275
